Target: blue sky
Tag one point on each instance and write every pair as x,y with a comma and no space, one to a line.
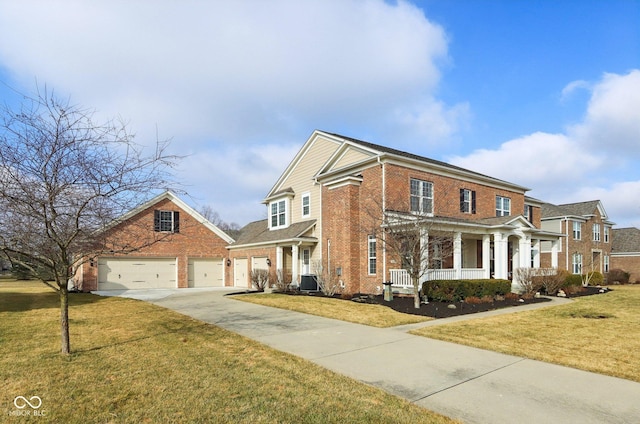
545,94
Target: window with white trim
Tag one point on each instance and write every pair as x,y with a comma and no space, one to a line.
373,259
606,234
278,214
166,221
306,205
421,196
596,232
528,212
606,263
576,263
503,206
577,230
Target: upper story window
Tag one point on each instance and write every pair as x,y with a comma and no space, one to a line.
606,234
467,201
577,230
528,212
503,206
166,221
421,196
278,214
596,232
306,205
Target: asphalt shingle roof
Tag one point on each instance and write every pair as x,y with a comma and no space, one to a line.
625,240
258,232
569,209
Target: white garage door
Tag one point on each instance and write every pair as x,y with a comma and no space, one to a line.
136,273
206,273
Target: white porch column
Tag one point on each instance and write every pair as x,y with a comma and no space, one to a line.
486,255
424,249
554,253
457,254
501,253
295,260
279,258
536,253
524,251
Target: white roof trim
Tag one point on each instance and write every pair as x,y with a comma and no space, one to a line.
169,195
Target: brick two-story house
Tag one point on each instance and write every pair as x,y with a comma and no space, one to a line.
586,245
163,243
320,210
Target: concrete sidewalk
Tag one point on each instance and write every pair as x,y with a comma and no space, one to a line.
473,385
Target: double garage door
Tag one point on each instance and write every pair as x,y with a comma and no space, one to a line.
156,273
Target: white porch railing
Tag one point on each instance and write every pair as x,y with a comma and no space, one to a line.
401,278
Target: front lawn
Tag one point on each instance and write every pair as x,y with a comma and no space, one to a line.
134,362
599,333
359,313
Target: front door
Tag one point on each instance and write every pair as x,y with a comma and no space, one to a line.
306,261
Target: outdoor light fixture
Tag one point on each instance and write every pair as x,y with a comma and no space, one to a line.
268,262
228,262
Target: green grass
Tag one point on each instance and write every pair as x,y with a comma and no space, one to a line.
359,313
134,362
599,333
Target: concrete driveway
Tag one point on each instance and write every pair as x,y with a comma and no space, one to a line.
473,385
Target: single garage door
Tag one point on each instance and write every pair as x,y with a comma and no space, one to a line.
206,273
136,273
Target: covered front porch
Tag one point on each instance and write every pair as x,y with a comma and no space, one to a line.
480,250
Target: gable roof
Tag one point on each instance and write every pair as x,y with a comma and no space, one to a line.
169,195
378,152
625,240
257,232
578,209
390,152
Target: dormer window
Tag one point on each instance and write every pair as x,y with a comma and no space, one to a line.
278,214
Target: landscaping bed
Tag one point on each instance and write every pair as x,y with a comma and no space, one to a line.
434,309
405,305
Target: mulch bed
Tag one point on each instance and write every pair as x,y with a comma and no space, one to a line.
404,304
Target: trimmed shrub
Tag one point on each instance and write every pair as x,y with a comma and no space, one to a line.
595,278
572,280
618,276
457,290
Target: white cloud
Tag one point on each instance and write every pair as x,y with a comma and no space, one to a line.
233,71
612,121
539,160
572,87
595,159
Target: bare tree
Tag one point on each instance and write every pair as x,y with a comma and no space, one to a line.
215,218
63,178
417,242
328,282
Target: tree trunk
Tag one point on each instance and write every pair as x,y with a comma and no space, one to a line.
64,319
416,293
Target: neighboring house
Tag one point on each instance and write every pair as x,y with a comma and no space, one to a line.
587,238
319,208
625,251
167,245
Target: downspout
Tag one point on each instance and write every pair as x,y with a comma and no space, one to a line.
384,205
566,250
